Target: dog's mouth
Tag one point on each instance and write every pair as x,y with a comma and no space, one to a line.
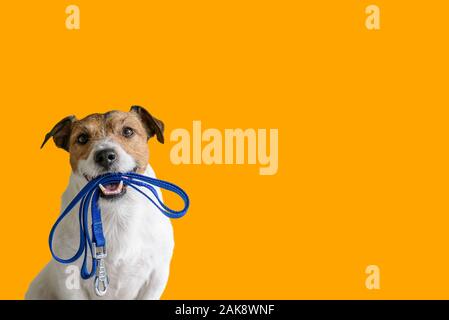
111,190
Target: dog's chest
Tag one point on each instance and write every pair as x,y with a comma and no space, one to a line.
127,278
139,243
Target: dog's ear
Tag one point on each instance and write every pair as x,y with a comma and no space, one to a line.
61,133
152,125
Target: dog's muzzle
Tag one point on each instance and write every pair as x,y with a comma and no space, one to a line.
110,190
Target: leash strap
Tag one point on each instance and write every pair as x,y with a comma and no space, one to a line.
96,244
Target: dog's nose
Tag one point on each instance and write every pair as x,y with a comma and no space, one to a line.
105,158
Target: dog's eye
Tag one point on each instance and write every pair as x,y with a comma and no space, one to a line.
82,138
127,132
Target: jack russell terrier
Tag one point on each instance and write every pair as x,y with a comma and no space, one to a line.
140,239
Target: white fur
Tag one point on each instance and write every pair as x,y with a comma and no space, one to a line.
139,243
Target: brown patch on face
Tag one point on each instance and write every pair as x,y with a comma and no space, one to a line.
110,125
137,144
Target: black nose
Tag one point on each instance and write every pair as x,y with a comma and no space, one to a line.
105,158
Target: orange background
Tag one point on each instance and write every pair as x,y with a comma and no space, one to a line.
362,118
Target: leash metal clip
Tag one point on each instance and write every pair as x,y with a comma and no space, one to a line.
101,281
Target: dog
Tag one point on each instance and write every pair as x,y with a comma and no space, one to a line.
139,238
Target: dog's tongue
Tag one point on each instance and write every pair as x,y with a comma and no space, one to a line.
112,188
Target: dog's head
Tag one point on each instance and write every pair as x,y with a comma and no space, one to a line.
115,141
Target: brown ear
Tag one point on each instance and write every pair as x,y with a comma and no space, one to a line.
152,125
61,133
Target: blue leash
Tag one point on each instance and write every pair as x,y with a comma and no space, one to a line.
88,197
